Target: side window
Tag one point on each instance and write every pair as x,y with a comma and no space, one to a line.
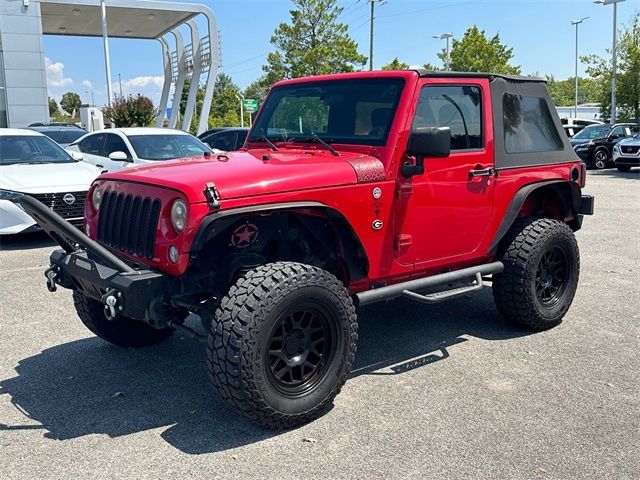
528,125
222,141
115,143
92,144
456,107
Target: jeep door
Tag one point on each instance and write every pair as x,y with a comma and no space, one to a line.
443,214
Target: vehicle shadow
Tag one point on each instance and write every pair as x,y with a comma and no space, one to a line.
88,386
632,174
26,241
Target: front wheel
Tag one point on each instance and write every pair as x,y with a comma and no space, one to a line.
600,158
282,343
540,277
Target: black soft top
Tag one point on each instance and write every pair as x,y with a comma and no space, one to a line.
517,88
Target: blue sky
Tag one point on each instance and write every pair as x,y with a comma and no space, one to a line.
538,30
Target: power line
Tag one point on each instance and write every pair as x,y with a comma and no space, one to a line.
411,12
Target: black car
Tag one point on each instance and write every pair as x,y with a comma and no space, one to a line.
594,144
225,139
62,134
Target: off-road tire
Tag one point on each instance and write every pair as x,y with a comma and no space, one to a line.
600,158
521,251
121,331
624,168
241,335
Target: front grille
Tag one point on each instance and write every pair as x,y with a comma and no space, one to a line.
128,223
73,207
630,149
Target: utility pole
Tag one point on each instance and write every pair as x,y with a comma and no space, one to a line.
371,19
447,58
576,23
120,82
614,111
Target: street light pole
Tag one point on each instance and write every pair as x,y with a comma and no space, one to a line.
576,23
371,19
105,44
445,36
614,62
240,97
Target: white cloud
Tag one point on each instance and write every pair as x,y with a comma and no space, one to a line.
87,84
55,74
149,86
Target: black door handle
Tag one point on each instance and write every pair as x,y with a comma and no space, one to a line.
485,172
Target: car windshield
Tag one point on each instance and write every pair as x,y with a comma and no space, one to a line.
354,111
593,131
167,146
64,136
31,149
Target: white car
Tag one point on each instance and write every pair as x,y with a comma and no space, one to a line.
117,148
31,163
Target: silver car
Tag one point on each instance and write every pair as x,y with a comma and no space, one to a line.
626,153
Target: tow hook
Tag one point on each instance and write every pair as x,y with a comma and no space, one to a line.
110,301
51,274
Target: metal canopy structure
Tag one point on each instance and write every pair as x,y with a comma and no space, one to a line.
197,58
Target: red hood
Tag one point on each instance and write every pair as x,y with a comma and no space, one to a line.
245,174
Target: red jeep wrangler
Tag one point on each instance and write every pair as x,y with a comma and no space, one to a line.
350,189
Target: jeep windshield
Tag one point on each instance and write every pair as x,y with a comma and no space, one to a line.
354,111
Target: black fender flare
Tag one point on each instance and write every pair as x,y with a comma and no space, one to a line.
353,250
570,205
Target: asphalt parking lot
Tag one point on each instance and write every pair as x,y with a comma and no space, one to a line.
447,391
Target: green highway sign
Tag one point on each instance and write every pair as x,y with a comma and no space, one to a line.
250,105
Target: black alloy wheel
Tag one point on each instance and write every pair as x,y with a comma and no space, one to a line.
551,276
301,348
600,159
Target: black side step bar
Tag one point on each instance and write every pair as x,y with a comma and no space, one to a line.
69,237
407,289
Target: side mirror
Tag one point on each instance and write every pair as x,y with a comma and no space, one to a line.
77,156
426,142
118,156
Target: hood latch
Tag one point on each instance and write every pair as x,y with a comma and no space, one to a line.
212,195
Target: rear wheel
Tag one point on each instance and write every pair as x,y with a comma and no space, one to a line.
600,158
282,343
624,168
121,331
540,277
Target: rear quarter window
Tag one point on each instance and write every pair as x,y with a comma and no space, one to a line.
528,125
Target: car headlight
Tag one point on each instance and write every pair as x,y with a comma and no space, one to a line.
96,197
616,148
10,195
178,215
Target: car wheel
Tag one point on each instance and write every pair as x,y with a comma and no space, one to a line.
282,343
600,158
540,276
121,331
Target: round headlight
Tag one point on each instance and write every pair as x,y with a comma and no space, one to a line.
96,196
178,215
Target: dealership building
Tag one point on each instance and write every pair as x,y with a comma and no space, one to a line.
186,32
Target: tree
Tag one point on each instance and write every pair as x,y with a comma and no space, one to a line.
313,43
131,111
475,52
225,104
628,73
70,102
395,64
563,91
53,107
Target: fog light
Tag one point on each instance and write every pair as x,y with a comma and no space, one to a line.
173,254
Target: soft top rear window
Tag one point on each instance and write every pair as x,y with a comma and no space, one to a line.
528,125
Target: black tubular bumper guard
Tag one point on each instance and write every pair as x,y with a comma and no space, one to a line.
84,265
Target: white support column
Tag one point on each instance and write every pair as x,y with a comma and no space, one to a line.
105,43
168,80
212,71
195,75
177,94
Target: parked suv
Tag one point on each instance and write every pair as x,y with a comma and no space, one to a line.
626,153
594,144
353,189
224,139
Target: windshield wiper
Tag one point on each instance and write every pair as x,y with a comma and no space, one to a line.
272,145
316,138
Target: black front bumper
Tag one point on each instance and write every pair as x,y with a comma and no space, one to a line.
139,294
86,266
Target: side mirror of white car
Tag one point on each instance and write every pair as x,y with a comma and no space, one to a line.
118,156
77,156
